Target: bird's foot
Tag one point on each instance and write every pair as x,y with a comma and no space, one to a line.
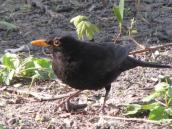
68,106
73,107
68,99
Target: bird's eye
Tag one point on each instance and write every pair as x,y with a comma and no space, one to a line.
56,43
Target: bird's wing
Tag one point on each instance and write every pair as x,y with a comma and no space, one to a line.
102,57
95,64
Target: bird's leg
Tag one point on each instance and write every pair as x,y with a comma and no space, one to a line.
68,99
107,88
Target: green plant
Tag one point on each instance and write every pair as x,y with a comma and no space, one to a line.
84,27
159,103
13,66
25,8
8,26
1,126
131,28
118,11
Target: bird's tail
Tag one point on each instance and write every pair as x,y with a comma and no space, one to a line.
147,64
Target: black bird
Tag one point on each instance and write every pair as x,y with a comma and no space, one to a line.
90,66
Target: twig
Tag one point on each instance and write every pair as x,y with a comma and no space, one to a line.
150,49
161,103
3,88
141,46
15,50
133,119
116,38
38,96
128,38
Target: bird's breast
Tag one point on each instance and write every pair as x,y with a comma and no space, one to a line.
58,65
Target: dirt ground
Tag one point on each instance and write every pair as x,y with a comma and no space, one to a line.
47,18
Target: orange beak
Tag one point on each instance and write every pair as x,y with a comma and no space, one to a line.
40,42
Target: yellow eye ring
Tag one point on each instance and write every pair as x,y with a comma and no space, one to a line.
56,43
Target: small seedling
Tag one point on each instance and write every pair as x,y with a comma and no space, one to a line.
8,26
1,126
158,104
25,8
13,66
84,27
118,11
131,28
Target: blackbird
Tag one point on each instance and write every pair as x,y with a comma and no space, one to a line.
90,66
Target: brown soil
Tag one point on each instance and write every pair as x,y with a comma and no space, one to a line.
154,26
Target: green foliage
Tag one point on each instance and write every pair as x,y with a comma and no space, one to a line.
133,109
76,20
25,8
12,65
84,27
132,29
118,11
159,103
1,126
8,26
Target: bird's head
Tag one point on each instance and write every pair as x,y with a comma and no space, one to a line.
55,42
51,43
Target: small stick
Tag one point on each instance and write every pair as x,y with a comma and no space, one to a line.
117,37
133,119
161,103
36,95
150,49
128,38
141,46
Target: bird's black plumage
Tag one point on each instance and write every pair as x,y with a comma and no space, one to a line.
91,66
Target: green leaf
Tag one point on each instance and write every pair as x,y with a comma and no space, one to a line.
150,106
169,92
14,66
151,97
133,109
134,31
86,28
94,28
89,34
10,61
8,26
28,59
158,113
90,30
1,77
44,63
43,69
81,29
117,13
9,77
121,8
25,8
76,20
161,87
169,111
29,68
1,126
